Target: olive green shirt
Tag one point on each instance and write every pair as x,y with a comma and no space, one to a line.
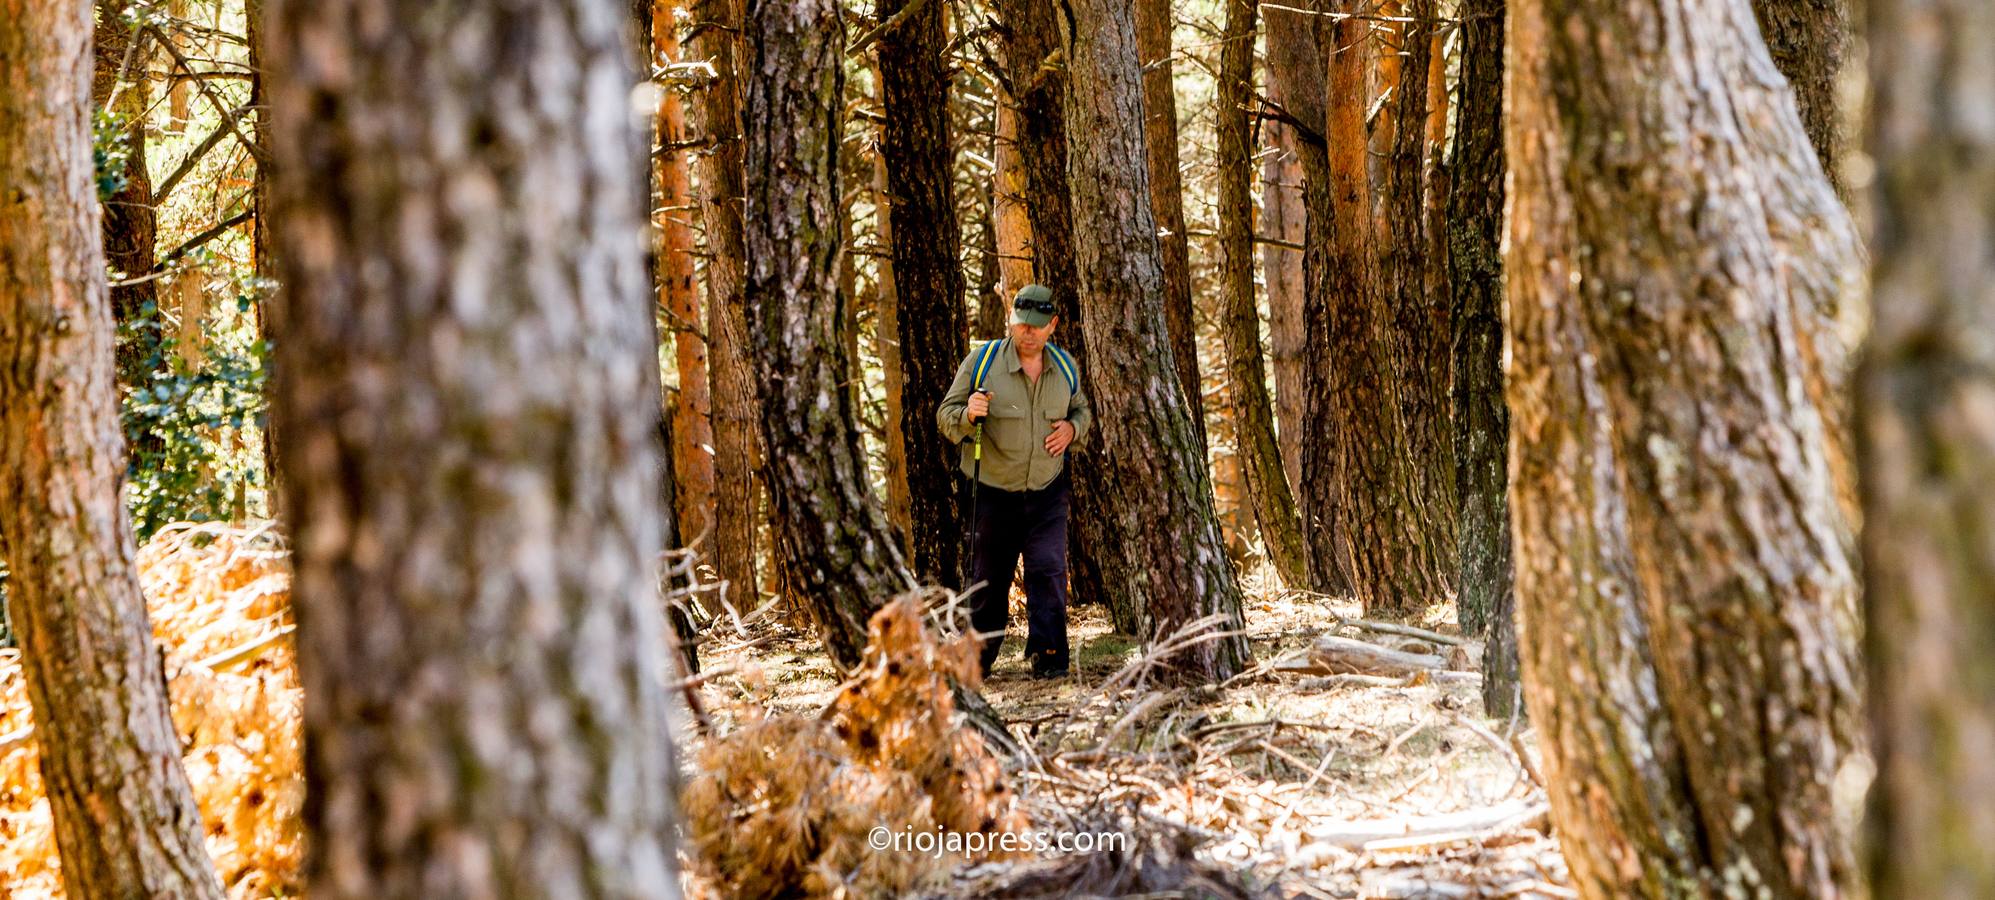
1022,416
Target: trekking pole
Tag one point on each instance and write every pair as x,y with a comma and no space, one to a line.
977,472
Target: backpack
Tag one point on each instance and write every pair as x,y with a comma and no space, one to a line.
1062,360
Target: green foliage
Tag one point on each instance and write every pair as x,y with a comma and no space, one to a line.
110,150
195,433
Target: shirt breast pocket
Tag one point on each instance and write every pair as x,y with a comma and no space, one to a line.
1009,426
1053,403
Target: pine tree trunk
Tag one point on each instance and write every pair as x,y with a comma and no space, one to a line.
1413,329
1040,78
130,223
1246,378
1160,486
1365,477
928,279
713,37
678,295
1683,566
887,344
474,484
1295,81
1483,598
1154,21
1808,40
1297,53
1010,217
123,813
261,250
832,532
1929,456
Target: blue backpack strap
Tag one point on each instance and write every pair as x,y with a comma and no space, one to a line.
1067,368
985,355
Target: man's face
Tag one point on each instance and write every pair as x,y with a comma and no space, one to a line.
1033,339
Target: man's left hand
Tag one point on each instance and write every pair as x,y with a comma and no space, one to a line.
1063,434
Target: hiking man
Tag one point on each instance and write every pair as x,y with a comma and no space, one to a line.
1027,394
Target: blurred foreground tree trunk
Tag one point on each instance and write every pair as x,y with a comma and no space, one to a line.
123,813
1685,588
469,395
1927,405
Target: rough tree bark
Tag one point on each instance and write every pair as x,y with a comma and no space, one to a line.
470,397
712,36
1483,598
1925,395
832,532
928,278
1366,484
1039,83
124,816
1246,378
1684,581
1413,329
678,296
1154,21
1151,459
1808,40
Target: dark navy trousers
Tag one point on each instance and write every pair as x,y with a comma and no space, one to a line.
1032,525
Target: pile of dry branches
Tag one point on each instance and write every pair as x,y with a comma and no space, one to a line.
786,804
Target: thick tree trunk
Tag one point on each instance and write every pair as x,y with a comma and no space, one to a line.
1246,378
1154,21
1413,327
832,532
1294,80
928,276
1808,40
1683,567
678,296
1040,79
1483,597
712,37
1366,484
474,484
1929,456
1151,459
124,816
1297,53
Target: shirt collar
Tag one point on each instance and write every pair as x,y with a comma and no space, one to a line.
1011,356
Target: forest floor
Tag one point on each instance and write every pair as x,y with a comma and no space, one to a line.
1283,783
1280,784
